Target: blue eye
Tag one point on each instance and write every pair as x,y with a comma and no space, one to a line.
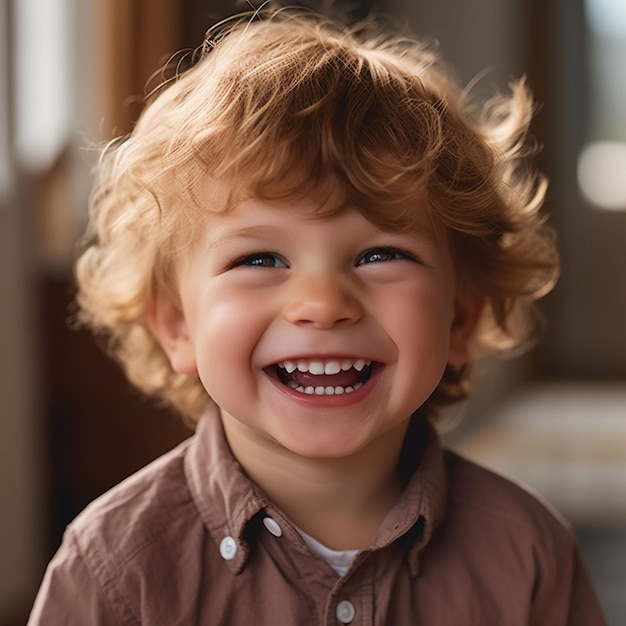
260,259
379,255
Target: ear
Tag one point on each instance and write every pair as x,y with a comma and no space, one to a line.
167,322
468,311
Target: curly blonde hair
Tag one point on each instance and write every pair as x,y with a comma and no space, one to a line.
285,103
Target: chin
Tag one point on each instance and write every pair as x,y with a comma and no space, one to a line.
324,447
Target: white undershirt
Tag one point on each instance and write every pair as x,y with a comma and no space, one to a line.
339,560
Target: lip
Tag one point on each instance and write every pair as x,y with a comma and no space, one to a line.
321,357
327,401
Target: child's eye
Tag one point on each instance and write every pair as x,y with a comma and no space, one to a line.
260,259
379,255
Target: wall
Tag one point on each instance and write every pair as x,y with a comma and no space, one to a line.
20,555
474,36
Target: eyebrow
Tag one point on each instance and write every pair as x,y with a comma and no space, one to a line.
258,233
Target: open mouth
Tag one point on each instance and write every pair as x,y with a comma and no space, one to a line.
324,377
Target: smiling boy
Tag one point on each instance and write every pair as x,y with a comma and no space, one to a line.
305,242
366,321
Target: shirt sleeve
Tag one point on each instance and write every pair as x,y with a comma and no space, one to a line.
564,595
70,595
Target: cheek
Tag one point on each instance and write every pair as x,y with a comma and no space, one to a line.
419,313
419,325
228,330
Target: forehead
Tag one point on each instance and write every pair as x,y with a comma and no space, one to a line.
258,220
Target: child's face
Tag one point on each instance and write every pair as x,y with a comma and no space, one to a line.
367,317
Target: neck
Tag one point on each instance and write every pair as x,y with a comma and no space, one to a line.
341,502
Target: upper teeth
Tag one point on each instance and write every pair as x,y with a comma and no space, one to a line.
317,367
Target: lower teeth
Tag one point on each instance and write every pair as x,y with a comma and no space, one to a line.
324,391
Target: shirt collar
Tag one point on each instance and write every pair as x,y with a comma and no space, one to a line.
227,500
225,497
422,506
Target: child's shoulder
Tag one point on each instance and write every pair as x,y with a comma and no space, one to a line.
480,496
138,510
141,535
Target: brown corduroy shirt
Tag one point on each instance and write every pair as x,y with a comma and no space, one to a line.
188,541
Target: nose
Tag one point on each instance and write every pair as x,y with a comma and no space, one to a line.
323,302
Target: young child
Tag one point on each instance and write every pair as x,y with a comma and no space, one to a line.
303,245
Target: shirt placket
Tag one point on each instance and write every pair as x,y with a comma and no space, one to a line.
351,600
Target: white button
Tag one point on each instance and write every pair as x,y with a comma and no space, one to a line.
228,548
272,525
345,611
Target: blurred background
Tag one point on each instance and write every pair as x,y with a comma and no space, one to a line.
73,73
